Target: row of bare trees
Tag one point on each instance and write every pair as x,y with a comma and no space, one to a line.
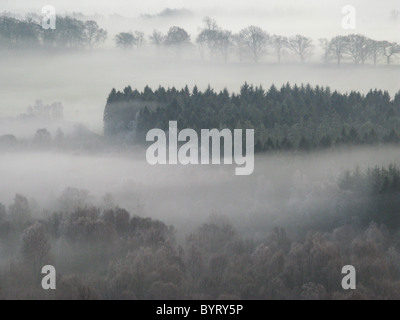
176,38
71,33
253,43
359,48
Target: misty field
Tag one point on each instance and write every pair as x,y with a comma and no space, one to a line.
55,78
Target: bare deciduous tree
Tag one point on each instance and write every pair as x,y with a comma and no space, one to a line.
20,212
42,136
358,48
208,37
375,49
177,38
139,38
201,42
301,46
35,247
93,33
337,48
324,44
125,40
224,43
279,43
194,264
255,40
157,38
389,50
240,46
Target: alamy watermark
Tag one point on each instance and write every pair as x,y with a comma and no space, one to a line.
349,280
191,152
49,17
49,280
349,18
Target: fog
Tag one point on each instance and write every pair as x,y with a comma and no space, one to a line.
82,81
282,191
315,18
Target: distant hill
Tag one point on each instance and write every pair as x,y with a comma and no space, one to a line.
169,13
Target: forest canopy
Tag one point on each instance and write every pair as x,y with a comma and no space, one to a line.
291,117
107,253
